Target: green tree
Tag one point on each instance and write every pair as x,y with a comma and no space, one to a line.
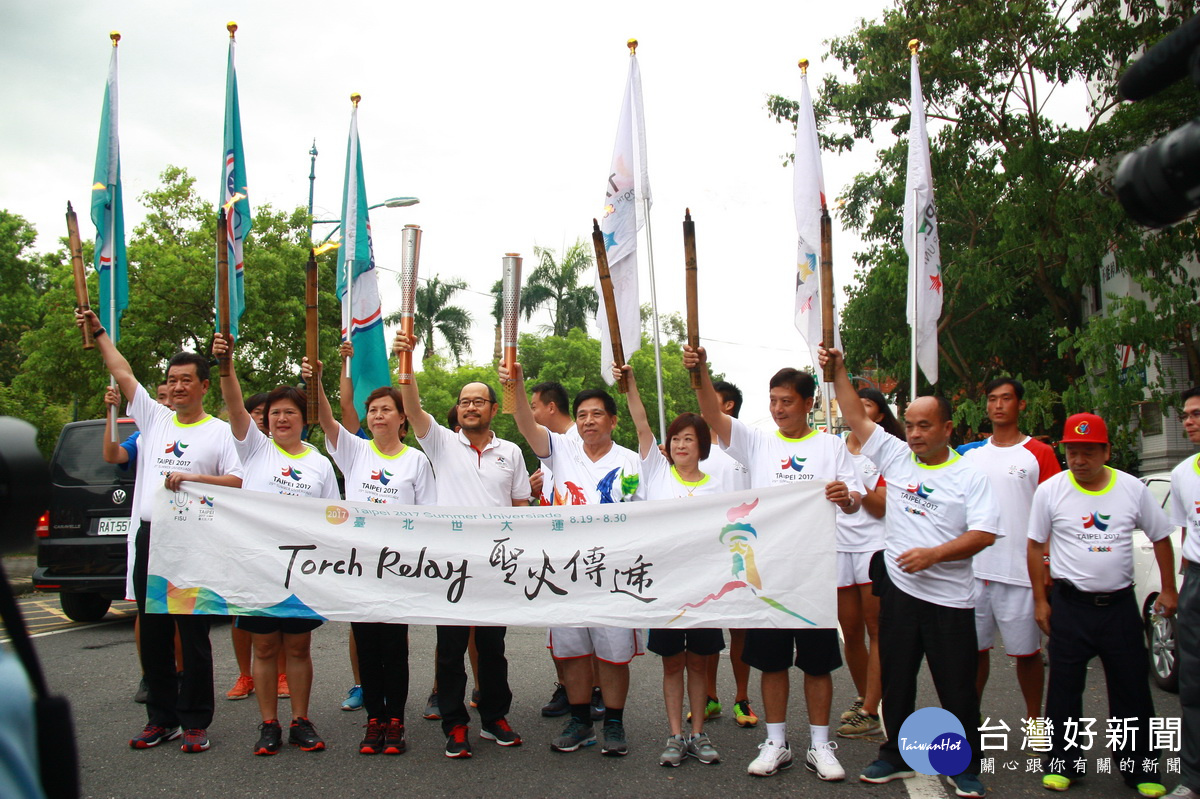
23,281
1022,183
435,316
554,284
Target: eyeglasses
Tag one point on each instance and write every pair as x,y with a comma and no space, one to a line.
1193,415
476,402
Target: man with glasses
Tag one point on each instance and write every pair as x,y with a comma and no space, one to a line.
474,468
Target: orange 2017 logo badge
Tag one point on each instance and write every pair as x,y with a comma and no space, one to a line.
335,514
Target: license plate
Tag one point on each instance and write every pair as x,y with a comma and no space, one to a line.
114,526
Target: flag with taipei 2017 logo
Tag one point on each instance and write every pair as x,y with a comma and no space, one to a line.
233,185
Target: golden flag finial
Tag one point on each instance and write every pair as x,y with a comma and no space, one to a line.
632,45
115,36
803,64
914,45
355,98
231,27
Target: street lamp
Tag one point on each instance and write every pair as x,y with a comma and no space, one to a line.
394,202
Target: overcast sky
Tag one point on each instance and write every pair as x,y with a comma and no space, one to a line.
500,117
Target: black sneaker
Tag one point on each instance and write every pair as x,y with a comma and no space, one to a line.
304,735
152,735
558,704
597,704
270,735
614,740
457,744
501,733
393,738
372,742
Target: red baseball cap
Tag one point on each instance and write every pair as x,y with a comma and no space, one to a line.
1085,428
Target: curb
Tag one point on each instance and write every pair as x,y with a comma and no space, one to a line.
19,569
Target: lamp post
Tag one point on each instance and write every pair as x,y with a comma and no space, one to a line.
312,179
394,202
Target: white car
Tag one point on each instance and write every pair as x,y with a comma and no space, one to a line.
1160,631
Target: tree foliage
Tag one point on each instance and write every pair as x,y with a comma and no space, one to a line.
554,284
435,316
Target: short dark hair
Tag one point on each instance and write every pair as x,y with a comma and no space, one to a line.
397,397
730,393
695,421
552,391
491,391
184,358
800,382
992,385
254,400
452,417
1194,391
610,406
291,393
947,412
888,422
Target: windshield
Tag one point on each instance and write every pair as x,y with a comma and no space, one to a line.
79,458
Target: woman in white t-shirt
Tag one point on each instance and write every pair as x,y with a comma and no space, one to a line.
859,537
674,475
369,467
282,463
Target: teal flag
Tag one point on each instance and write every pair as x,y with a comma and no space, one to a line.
234,196
107,214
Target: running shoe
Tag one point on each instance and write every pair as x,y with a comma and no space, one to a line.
674,753
394,742
143,693
597,704
882,771
152,735
501,733
269,738
824,763
711,710
194,741
614,740
304,735
969,786
474,697
353,700
1183,792
372,742
771,758
861,726
1150,789
457,744
855,708
1056,782
699,747
281,689
432,712
743,715
242,688
558,704
574,735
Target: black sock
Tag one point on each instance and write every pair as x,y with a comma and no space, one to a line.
613,715
582,713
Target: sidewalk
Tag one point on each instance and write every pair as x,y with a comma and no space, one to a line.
19,569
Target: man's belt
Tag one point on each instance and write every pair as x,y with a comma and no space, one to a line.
1100,600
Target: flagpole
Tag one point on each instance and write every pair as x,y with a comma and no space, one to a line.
349,297
915,269
112,274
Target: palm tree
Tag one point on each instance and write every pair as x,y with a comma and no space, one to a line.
434,314
555,284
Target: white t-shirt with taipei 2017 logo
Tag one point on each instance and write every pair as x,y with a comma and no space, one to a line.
272,469
1091,532
579,480
1184,508
405,478
774,459
862,532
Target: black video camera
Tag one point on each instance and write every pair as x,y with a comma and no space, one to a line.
1159,184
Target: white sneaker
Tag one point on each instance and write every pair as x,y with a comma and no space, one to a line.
771,758
821,760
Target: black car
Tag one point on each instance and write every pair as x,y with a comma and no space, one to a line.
81,542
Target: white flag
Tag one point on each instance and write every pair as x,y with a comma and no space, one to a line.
921,239
808,187
623,216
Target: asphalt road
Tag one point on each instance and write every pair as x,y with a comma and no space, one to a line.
95,666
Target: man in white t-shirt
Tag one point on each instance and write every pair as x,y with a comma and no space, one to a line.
592,469
1184,511
176,446
1088,514
793,453
474,468
1015,464
940,512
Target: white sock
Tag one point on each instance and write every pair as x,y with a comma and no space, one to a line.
819,735
777,732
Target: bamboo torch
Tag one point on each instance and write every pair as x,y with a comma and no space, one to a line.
311,332
827,320
610,303
81,290
410,244
689,271
511,284
223,289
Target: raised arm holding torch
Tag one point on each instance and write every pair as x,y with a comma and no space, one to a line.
410,258
223,288
511,283
81,290
610,302
689,268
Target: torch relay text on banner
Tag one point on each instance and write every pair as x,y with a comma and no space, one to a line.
757,558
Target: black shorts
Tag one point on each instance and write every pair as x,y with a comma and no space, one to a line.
706,641
273,624
816,650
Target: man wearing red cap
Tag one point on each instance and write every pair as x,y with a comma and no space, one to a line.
1088,514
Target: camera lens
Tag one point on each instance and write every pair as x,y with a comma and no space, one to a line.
1159,184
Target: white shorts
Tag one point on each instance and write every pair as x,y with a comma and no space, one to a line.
610,644
1009,608
852,568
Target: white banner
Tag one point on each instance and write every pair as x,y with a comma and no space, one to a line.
758,558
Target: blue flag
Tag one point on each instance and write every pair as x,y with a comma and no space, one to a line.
234,195
362,315
107,214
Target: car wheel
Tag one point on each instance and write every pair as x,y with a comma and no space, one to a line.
1160,641
81,606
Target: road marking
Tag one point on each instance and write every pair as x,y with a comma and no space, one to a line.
924,786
